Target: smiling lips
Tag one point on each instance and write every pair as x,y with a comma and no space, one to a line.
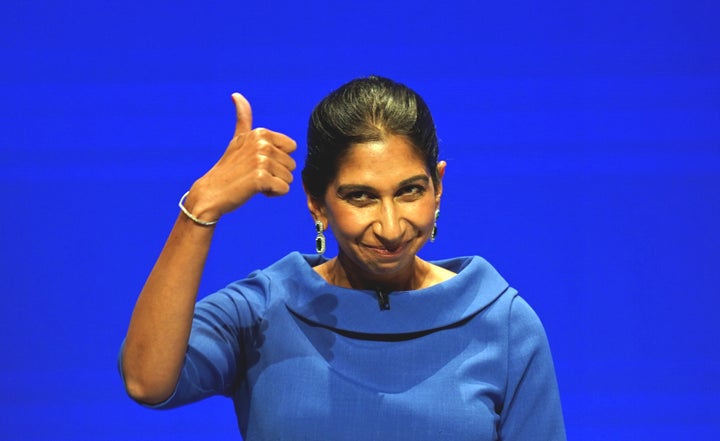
388,252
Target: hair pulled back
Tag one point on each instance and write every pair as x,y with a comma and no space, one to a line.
365,110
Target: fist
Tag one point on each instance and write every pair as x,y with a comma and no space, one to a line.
255,161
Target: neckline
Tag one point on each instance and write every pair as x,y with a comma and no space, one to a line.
309,296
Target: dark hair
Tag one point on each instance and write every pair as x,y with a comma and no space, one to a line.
365,110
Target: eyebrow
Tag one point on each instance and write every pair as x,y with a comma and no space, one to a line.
424,178
351,188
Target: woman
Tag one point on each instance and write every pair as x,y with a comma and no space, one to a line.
373,344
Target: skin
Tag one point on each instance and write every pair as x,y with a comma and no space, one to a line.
381,216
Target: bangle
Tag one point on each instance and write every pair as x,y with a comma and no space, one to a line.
190,215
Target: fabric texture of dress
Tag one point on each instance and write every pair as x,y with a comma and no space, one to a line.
466,359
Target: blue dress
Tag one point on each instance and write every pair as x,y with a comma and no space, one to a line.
466,359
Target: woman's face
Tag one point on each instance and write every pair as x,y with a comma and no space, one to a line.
381,208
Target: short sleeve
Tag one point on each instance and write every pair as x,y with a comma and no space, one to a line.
532,409
221,343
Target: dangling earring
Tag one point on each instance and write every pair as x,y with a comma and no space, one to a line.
320,238
433,235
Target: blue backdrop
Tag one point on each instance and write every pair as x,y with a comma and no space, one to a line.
583,149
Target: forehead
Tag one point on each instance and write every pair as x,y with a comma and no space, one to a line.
393,158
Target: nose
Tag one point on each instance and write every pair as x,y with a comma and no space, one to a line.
389,227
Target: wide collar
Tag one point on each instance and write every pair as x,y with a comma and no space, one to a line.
310,297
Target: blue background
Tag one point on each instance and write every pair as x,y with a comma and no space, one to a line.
583,143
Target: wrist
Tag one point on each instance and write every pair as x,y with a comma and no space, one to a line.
198,209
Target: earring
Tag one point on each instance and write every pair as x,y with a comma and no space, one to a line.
433,235
320,238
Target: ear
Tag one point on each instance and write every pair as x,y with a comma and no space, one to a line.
441,173
317,209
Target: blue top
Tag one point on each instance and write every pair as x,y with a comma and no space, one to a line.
466,359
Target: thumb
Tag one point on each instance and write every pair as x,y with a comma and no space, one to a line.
243,113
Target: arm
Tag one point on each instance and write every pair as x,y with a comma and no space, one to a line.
255,161
532,408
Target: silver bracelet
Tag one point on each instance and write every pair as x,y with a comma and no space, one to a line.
190,215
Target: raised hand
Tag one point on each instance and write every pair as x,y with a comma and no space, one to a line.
255,161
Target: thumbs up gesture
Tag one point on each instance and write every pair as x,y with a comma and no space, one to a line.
255,161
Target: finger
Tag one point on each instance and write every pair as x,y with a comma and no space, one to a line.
243,114
282,158
269,168
283,142
271,185
261,142
276,187
287,161
281,172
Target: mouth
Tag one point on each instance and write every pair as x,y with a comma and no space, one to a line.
386,252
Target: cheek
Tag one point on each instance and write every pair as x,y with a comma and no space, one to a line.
424,214
349,223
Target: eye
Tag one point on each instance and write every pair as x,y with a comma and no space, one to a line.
359,198
411,192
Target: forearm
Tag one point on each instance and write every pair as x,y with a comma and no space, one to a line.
161,321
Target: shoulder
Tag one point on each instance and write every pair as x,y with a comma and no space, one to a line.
527,337
502,302
254,293
522,315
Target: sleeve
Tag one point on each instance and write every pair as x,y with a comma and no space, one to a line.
532,409
224,334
